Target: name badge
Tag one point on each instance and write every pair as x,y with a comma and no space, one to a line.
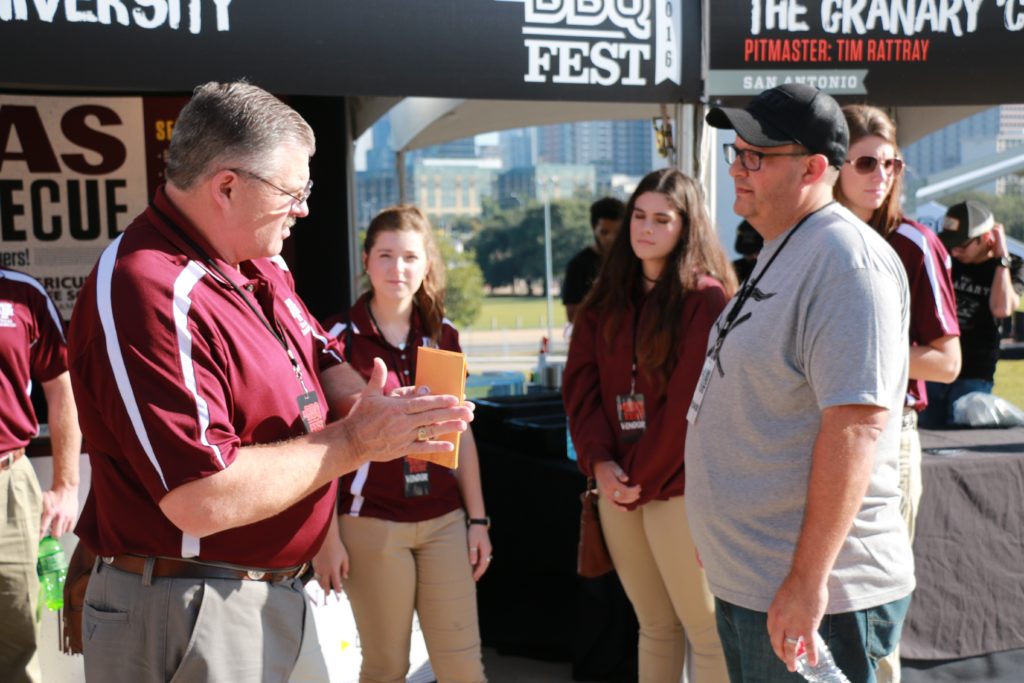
310,412
702,386
632,416
417,477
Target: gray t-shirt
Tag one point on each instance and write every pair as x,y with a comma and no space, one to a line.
827,326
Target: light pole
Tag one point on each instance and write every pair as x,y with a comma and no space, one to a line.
548,278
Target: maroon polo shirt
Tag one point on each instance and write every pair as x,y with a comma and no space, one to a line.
378,489
173,373
932,302
32,346
596,372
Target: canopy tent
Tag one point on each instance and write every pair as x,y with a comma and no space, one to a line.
470,66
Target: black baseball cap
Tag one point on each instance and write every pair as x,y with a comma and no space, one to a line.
793,113
964,222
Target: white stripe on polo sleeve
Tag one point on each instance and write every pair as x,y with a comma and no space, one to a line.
183,285
104,276
15,276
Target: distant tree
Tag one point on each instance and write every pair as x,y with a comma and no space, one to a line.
510,245
465,293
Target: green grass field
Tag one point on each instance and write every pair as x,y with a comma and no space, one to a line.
515,312
512,312
1010,381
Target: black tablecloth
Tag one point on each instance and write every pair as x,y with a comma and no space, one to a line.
969,546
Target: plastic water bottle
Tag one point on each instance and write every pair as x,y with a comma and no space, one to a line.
570,449
825,671
52,568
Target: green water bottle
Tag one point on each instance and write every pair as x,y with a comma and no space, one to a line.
52,568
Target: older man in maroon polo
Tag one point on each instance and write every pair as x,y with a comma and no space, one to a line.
210,403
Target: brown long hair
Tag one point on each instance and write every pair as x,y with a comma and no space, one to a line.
865,121
697,253
429,298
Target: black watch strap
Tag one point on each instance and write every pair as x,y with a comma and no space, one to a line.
483,521
1004,261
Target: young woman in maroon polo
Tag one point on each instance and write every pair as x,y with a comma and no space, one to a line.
871,185
413,535
637,350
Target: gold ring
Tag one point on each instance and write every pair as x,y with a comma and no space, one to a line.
421,434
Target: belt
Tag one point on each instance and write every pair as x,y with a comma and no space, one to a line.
166,567
8,459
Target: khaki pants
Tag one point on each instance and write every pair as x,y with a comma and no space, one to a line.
212,630
20,510
396,567
657,564
910,501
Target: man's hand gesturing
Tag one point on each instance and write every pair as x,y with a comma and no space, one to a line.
383,428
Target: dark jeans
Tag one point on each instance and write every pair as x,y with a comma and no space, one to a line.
857,641
941,397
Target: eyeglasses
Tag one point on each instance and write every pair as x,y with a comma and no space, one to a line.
751,159
866,165
298,198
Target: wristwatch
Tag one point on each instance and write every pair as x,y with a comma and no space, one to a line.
1004,261
483,521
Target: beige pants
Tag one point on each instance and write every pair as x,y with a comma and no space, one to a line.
396,567
657,564
910,501
20,509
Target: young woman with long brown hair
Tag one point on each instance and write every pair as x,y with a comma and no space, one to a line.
409,535
637,349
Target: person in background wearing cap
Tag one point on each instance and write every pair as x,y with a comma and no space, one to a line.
792,489
988,283
748,245
32,347
606,221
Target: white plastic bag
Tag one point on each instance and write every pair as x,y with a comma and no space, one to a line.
978,409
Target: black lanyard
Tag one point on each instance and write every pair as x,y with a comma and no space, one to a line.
410,345
273,329
748,288
636,324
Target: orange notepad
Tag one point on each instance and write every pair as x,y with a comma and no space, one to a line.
445,373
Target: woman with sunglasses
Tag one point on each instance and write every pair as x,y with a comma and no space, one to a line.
870,185
409,535
637,350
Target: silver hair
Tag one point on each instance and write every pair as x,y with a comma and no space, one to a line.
228,125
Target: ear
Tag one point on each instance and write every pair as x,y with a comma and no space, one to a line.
222,187
816,168
366,261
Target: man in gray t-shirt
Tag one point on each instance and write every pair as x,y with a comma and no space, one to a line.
791,458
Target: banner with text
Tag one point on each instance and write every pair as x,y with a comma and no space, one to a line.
74,172
887,52
590,50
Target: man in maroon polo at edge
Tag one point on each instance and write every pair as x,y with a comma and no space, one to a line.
32,348
206,389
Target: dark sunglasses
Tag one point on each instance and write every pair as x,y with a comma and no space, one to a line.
865,165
